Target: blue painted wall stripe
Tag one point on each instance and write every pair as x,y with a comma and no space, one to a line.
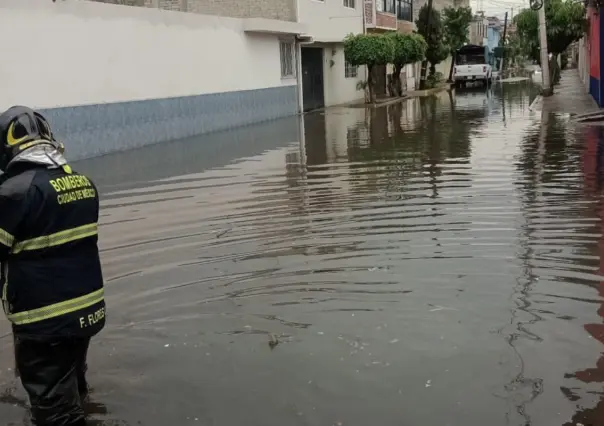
93,130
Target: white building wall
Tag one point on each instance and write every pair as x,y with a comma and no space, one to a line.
73,53
328,22
339,89
93,53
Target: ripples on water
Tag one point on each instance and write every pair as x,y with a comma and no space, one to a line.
431,263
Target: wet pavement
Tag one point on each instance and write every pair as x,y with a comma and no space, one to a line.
570,96
436,262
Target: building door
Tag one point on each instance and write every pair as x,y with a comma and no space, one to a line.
312,78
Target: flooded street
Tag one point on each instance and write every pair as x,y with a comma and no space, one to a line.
436,262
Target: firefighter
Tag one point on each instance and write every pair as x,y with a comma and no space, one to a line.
51,278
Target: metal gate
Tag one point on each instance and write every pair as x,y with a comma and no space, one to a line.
312,78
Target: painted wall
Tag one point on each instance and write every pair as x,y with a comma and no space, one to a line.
594,55
119,77
338,89
330,20
493,37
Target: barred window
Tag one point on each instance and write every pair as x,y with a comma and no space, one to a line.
389,6
350,3
350,71
405,10
287,58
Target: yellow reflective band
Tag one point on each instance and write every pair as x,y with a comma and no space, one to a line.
57,238
58,309
5,303
6,238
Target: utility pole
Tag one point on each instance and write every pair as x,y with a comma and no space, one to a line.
547,88
505,27
422,78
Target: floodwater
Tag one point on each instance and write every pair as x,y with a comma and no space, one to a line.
436,262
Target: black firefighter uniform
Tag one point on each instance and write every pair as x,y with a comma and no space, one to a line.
51,283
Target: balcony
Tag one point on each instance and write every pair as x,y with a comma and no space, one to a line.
380,15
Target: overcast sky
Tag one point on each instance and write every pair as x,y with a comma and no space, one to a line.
498,7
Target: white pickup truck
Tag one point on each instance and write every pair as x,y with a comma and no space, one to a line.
471,65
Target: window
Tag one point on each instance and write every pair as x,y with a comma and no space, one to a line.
405,10
350,71
287,58
470,59
389,6
350,3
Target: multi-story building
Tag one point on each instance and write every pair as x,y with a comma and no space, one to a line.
156,70
478,30
324,77
494,35
327,79
439,5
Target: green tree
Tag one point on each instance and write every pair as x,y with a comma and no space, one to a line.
437,50
456,23
369,50
566,23
514,52
408,49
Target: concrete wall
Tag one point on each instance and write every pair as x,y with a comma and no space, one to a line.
337,88
595,55
115,77
478,31
493,37
330,20
284,10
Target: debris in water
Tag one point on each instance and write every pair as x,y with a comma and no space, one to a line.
220,234
320,333
394,341
429,383
273,341
440,308
373,269
167,345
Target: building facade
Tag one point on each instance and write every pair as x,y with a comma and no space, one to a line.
445,66
327,79
478,30
150,71
494,34
134,76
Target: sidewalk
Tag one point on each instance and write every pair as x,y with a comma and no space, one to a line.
570,96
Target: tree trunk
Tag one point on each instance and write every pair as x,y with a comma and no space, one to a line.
450,80
370,83
432,69
396,77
